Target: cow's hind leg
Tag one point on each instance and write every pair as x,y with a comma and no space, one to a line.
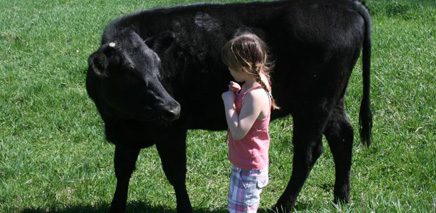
125,160
339,134
307,141
172,152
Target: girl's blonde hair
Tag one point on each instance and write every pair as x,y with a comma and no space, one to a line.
249,52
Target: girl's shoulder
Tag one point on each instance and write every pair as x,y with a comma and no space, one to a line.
258,94
260,102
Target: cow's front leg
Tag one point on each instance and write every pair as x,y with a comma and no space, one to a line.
172,152
124,160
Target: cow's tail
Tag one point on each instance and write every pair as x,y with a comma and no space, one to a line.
365,116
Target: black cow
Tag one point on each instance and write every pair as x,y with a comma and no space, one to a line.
158,73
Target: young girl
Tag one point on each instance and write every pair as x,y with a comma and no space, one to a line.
247,110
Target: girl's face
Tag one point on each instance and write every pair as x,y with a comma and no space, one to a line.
239,75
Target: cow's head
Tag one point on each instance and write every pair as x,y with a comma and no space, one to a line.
124,81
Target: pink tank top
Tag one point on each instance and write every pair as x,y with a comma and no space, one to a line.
251,152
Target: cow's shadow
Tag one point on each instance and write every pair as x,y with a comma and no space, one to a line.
101,207
132,207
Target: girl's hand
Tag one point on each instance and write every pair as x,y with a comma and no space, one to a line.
235,87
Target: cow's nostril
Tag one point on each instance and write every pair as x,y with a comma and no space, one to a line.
175,111
171,111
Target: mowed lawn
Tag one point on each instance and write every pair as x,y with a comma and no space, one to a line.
54,157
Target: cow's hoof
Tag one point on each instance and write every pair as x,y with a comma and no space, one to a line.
342,199
280,208
185,210
116,210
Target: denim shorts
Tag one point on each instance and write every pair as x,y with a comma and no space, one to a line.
245,188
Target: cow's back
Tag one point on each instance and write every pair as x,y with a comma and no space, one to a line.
303,36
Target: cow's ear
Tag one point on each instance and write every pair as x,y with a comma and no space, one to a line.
98,63
161,41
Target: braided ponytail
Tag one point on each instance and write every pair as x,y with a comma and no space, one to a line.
256,73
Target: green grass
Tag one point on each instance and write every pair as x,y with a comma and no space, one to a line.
54,158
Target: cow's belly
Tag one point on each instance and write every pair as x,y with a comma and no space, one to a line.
206,116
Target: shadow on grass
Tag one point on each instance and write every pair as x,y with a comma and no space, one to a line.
102,207
132,207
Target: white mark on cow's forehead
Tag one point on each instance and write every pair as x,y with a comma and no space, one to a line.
112,44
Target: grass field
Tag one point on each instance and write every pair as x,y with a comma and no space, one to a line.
54,158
